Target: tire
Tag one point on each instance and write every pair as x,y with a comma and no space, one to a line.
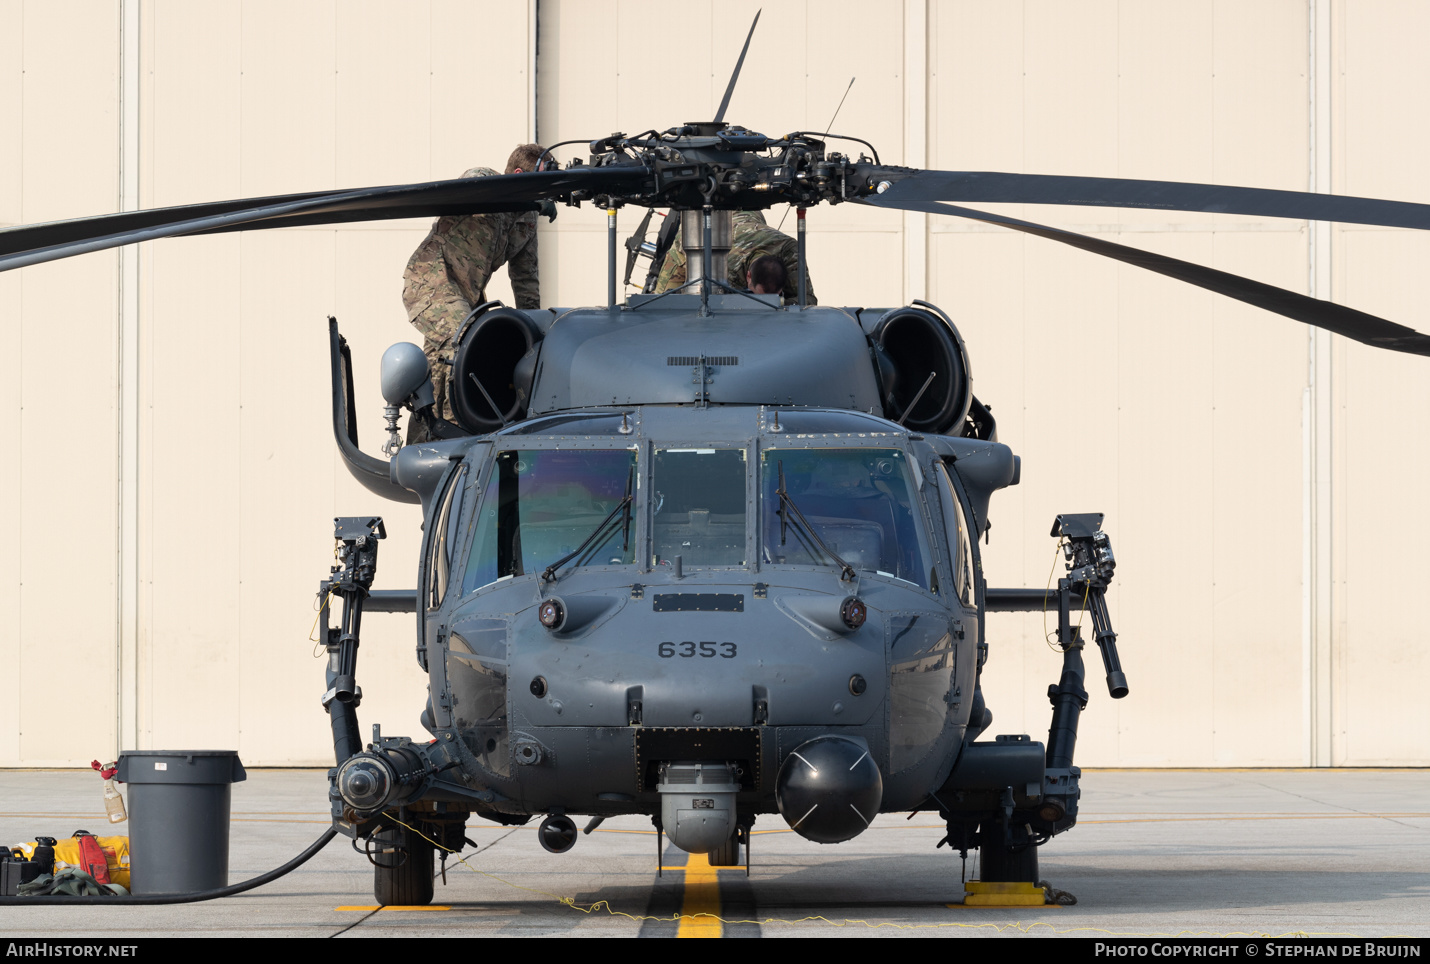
1001,863
403,876
727,854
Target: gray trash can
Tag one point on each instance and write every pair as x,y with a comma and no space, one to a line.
178,818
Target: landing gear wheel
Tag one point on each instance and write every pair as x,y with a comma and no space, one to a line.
404,868
1000,863
728,853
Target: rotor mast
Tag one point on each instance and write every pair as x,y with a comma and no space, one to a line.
692,239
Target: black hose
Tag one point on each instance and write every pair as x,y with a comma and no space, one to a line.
50,900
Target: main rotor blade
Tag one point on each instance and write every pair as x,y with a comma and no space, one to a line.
730,88
33,244
995,187
1358,325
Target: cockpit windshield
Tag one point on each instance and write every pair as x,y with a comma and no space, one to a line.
861,502
852,506
698,507
540,505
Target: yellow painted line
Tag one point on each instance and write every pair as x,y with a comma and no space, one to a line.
401,908
700,913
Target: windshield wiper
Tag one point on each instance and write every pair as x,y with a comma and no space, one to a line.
846,571
625,504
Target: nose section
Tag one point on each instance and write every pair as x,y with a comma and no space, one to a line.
829,788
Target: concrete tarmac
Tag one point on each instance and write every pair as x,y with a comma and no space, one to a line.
1247,853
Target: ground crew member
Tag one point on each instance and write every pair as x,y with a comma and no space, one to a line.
448,273
767,275
750,239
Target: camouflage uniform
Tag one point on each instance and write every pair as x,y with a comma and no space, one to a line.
448,273
751,238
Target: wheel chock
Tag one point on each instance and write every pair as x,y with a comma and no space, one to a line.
995,893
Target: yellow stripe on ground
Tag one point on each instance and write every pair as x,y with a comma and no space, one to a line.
702,897
393,907
1003,907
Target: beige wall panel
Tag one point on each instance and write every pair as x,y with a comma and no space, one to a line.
12,62
481,86
285,499
1071,87
1253,626
1208,458
977,275
61,327
189,604
1165,476
576,93
12,648
69,122
195,107
1258,64
1165,104
189,652
664,61
1382,405
573,257
1381,135
1381,401
65,514
12,87
287,114
859,265
976,66
384,92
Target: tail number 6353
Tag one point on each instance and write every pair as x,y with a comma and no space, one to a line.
705,650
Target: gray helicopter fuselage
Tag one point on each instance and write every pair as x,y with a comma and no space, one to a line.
705,628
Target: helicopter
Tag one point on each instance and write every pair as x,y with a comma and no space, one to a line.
849,384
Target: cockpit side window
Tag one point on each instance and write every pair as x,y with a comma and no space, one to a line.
444,539
862,503
962,561
541,504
